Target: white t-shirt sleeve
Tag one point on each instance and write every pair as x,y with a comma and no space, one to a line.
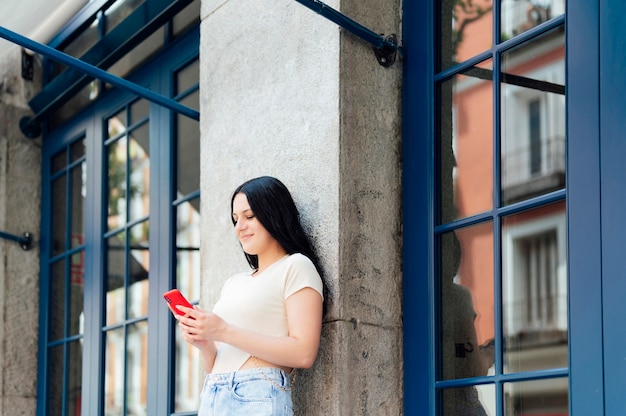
302,273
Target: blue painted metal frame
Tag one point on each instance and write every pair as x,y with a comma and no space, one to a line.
418,209
585,235
613,199
584,220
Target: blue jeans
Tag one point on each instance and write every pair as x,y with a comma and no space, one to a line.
250,392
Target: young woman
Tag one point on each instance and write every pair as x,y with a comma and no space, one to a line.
267,320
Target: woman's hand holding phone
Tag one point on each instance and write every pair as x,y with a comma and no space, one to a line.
175,298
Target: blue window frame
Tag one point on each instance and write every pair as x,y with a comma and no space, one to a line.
593,225
120,209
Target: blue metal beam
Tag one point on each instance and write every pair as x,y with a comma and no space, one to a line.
94,72
387,45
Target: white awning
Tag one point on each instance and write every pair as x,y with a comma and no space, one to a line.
38,20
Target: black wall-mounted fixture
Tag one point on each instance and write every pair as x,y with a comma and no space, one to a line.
28,64
26,241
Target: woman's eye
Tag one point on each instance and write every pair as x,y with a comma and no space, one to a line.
250,217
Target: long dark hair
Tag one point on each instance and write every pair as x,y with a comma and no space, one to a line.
272,204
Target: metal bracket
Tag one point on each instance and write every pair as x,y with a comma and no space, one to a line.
386,54
29,127
26,242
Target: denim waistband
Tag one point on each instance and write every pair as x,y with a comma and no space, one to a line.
275,375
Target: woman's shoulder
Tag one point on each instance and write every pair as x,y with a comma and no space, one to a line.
299,260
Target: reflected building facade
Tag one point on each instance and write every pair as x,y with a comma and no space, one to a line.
512,315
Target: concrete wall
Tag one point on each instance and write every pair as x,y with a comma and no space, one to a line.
20,197
285,92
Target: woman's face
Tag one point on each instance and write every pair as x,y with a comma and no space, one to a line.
254,238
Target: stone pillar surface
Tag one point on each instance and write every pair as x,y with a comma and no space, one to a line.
288,93
20,200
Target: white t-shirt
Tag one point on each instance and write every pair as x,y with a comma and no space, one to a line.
257,303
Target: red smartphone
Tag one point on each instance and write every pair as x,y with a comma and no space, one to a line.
173,298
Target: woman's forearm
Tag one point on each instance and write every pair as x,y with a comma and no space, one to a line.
208,355
286,351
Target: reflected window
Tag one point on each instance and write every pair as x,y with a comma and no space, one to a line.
533,118
534,283
466,30
518,16
501,282
537,397
466,143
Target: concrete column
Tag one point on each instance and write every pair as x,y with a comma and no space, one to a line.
20,200
287,93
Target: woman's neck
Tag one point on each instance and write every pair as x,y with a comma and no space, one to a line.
268,258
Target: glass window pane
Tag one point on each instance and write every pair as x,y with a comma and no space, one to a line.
139,110
188,77
79,190
466,143
56,317
75,380
77,150
116,279
188,372
75,104
188,248
537,397
114,372
533,118
77,283
119,11
139,154
190,15
54,385
139,264
59,215
469,401
518,16
139,54
59,161
188,151
82,42
188,365
467,302
116,182
534,289
137,369
117,124
466,30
